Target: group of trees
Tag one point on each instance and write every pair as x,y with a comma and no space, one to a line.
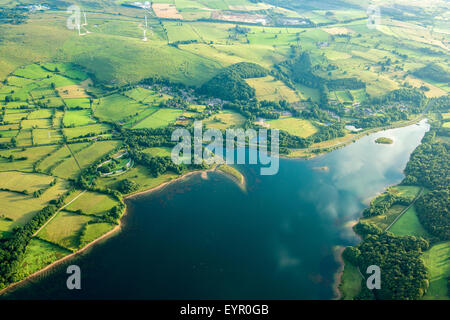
434,213
403,276
156,165
229,84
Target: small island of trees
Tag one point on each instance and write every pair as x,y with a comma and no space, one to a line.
384,140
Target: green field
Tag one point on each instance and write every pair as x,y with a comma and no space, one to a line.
272,90
350,285
74,118
224,120
58,156
158,151
27,158
436,260
93,203
159,119
78,103
409,224
21,208
38,255
65,229
86,157
294,126
94,231
117,107
19,181
89,130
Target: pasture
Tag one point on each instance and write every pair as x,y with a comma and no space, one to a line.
74,118
117,107
224,120
93,203
83,103
20,208
39,254
294,126
86,157
20,181
409,225
46,136
65,229
436,260
61,154
94,231
159,119
272,90
89,130
23,159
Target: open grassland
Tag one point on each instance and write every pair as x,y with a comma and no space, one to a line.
159,119
436,260
272,90
146,96
78,103
178,31
350,284
40,114
89,130
59,155
224,120
37,123
294,126
74,118
46,136
86,157
65,229
409,224
20,208
24,138
32,71
94,231
93,203
116,107
26,158
19,181
158,151
39,254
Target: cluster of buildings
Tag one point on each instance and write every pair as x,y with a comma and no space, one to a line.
37,7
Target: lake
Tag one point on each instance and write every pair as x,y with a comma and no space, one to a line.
208,239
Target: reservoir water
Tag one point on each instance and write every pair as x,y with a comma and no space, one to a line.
207,239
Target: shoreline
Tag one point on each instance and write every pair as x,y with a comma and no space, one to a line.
338,274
